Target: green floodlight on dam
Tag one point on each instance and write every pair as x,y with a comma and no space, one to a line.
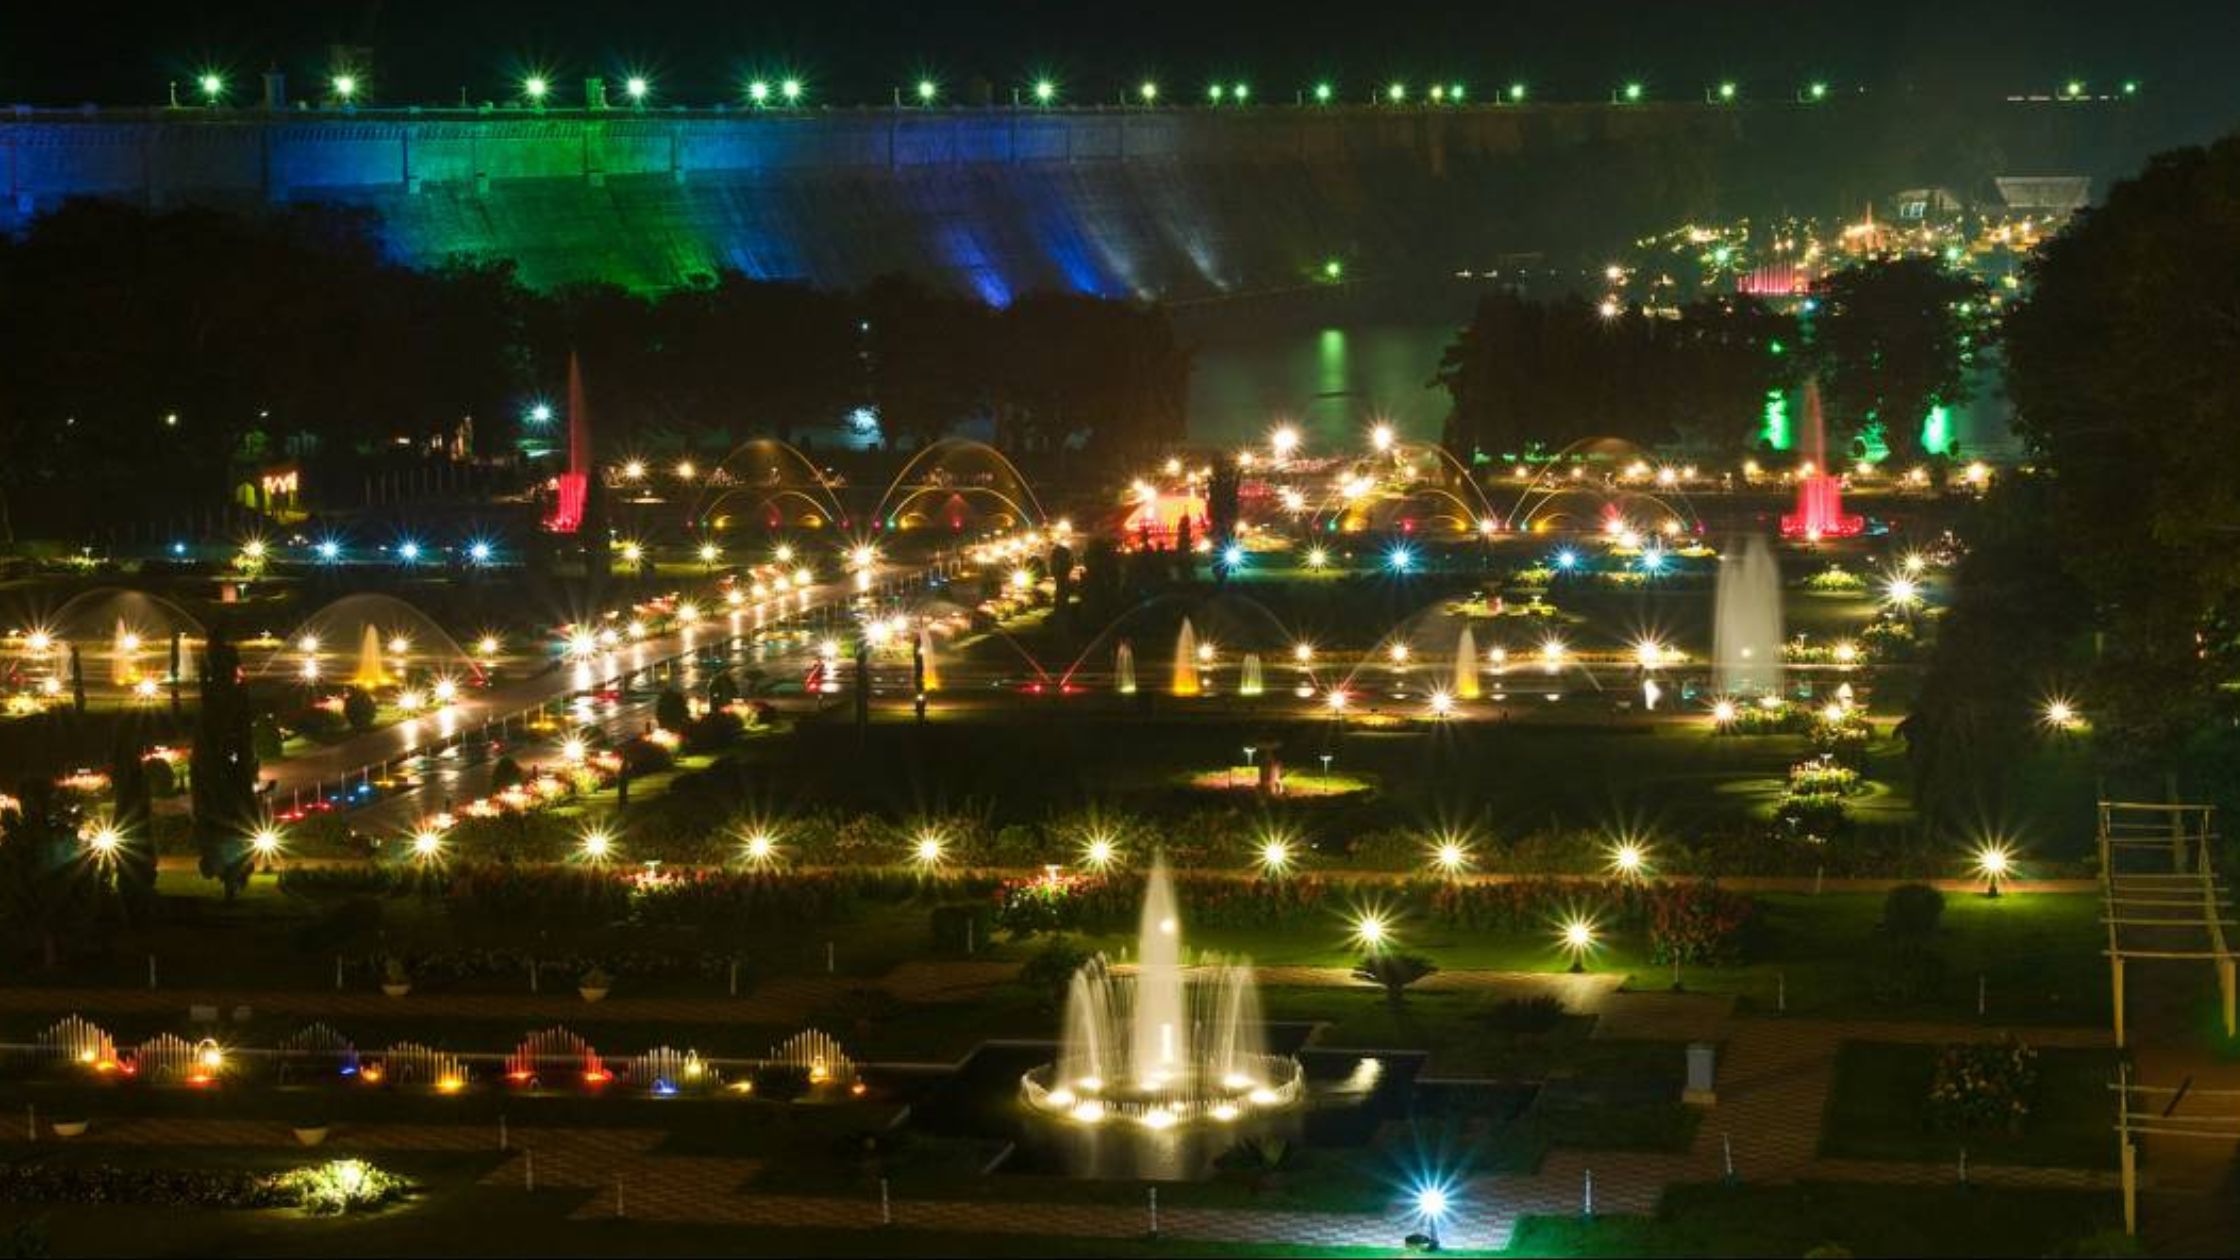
1322,93
1396,93
636,87
1213,93
1630,94
1815,91
213,87
1725,92
1454,94
1045,91
791,90
1148,93
1516,92
1333,270
928,91
535,88
345,87
758,92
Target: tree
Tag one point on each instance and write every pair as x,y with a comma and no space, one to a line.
2019,624
223,770
49,888
2120,369
670,712
1893,338
133,813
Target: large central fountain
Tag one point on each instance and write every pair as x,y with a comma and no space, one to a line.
1163,1046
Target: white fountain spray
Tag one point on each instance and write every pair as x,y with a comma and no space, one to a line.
1250,678
1746,622
1166,1045
1124,669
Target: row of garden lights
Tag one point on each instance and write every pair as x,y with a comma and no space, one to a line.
791,91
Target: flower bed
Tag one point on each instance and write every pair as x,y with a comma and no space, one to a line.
1983,1085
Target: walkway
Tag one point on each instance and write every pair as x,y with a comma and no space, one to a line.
1773,1081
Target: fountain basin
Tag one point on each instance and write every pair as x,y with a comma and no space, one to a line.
1258,1084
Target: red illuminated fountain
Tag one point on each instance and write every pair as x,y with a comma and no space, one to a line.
574,485
1819,511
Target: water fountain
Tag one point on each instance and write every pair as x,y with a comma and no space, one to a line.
1746,622
1164,1047
931,677
1819,511
1250,681
1466,665
1124,668
125,654
373,669
1186,660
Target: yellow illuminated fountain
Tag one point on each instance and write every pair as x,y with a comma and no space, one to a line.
1186,660
372,668
1466,665
1164,1047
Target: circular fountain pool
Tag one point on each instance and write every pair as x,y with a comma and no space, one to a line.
1162,1045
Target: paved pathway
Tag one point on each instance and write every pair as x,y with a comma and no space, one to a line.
1774,1077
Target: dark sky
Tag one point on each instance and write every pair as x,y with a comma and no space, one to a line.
856,51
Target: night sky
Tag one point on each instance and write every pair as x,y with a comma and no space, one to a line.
858,51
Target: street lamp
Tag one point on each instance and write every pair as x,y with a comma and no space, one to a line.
636,87
1578,938
1148,93
1629,94
534,87
345,87
1993,861
213,88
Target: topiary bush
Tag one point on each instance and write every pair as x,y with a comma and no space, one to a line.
1912,912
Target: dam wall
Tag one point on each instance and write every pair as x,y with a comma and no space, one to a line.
1176,204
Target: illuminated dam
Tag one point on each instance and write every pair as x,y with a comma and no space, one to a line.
1178,204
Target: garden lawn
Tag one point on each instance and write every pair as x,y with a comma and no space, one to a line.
1878,1109
1864,1220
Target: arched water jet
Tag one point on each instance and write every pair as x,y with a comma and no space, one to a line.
949,446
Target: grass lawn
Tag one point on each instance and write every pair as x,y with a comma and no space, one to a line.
2039,956
1878,1109
1866,1220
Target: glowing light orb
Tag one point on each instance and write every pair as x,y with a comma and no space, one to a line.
265,842
1275,856
596,845
1370,930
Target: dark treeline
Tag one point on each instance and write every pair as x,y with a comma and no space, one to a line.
1890,339
1528,374
152,358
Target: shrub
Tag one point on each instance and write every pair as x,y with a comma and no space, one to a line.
358,709
643,756
505,774
344,1185
1911,912
963,927
1526,1015
670,711
1394,972
1980,1085
1700,923
1049,973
